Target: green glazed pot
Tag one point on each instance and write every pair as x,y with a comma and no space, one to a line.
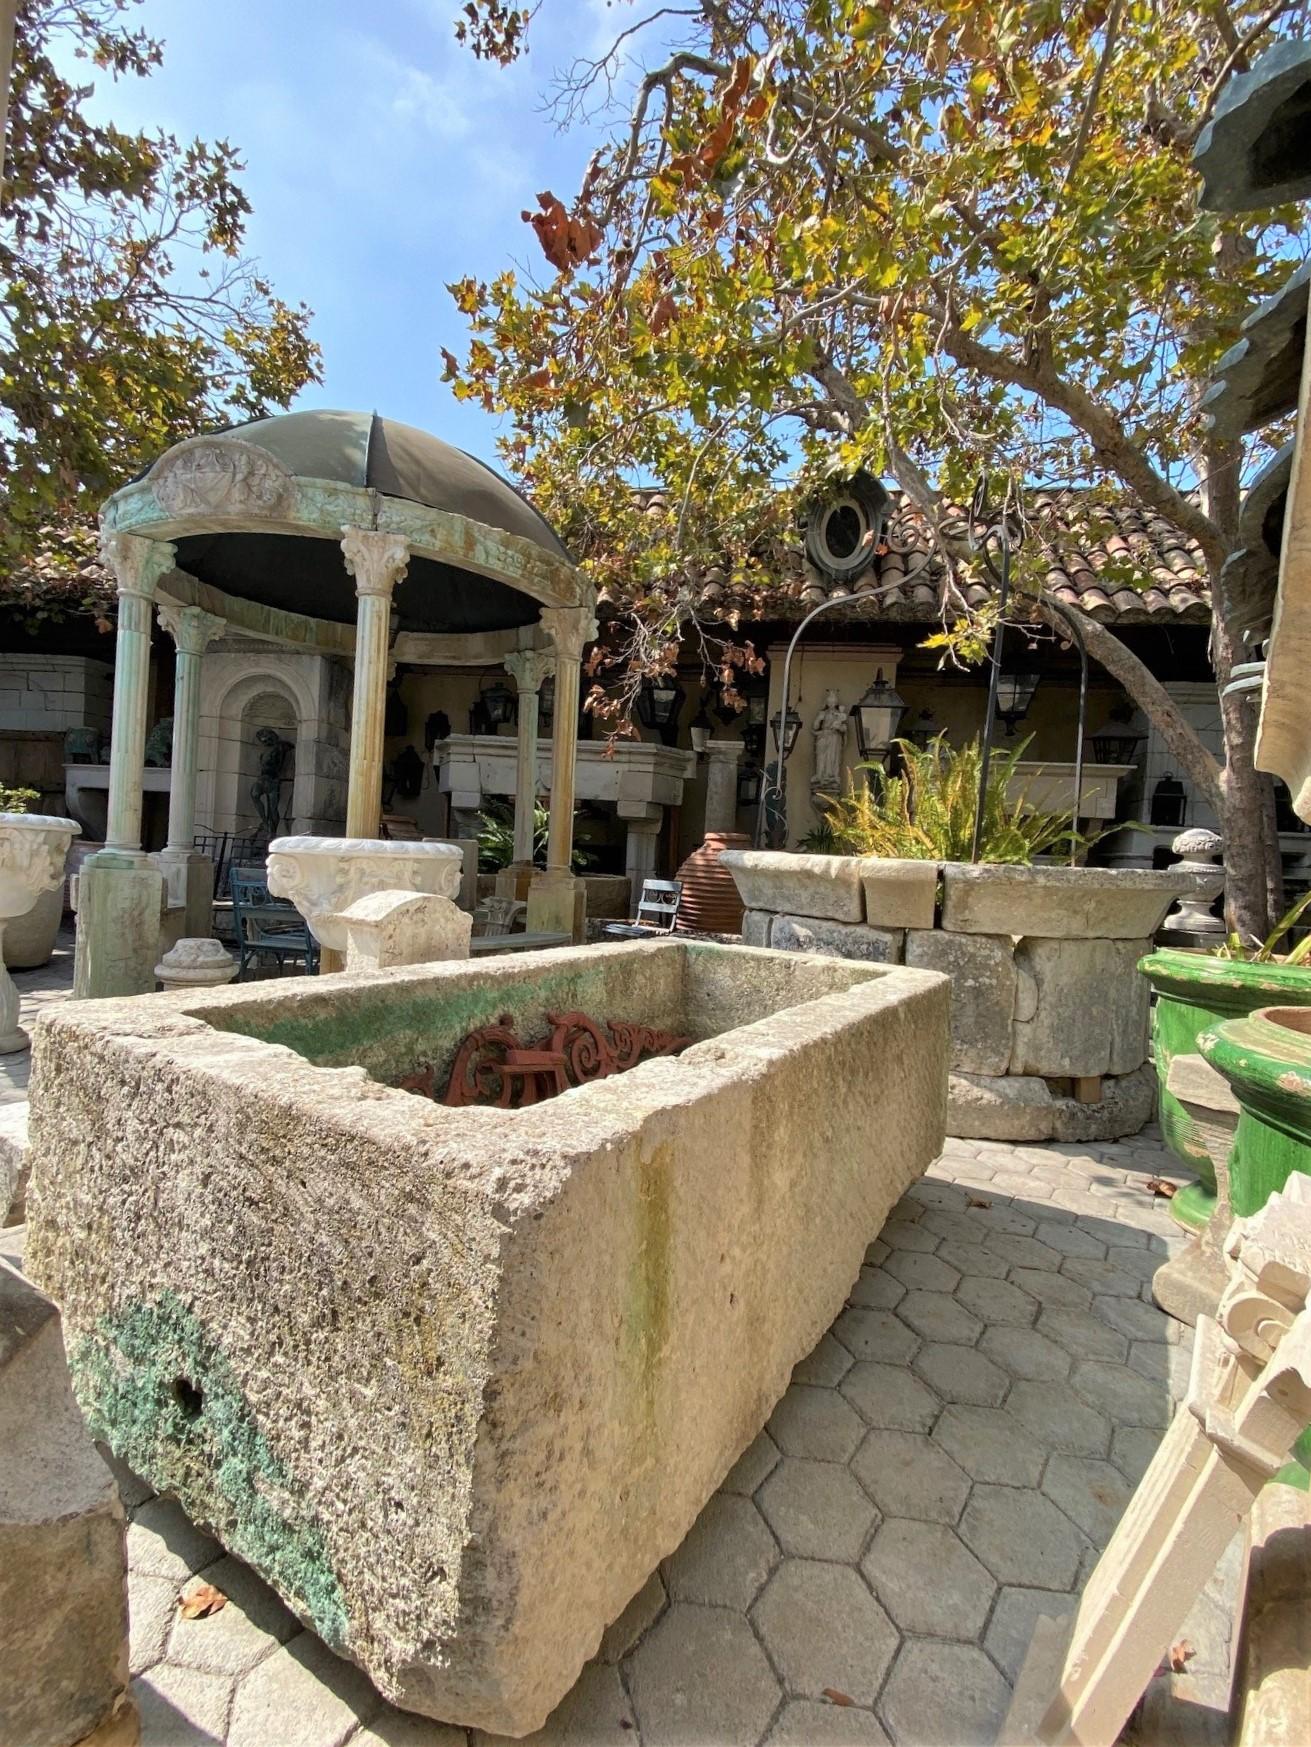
1266,1058
1195,993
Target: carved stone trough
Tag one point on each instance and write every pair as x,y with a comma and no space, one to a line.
456,1379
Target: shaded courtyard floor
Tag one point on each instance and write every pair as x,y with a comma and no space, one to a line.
944,1466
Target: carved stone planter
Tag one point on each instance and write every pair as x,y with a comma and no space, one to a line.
323,876
1048,1012
33,848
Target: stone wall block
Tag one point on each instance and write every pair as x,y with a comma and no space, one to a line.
838,939
799,885
63,1562
1081,1007
999,1107
1058,903
983,993
756,926
899,894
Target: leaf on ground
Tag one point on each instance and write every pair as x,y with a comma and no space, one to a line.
1181,1654
835,1697
977,1201
1161,1186
202,1601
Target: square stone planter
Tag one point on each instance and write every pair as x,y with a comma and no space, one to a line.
455,1380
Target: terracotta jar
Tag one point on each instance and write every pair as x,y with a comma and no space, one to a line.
711,901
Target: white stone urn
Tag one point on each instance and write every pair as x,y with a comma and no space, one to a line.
33,849
323,876
196,964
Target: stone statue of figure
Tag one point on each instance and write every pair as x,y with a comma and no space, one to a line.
266,790
830,731
159,743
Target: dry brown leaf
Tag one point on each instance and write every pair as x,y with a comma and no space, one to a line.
835,1697
1160,1186
202,1601
977,1201
1181,1654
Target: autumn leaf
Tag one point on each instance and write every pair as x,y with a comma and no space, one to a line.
1181,1654
567,241
835,1697
452,364
977,1201
201,1601
1160,1186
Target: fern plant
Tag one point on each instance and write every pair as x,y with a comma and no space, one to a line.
927,813
1266,951
496,838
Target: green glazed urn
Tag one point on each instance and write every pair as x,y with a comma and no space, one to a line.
1266,1058
1196,992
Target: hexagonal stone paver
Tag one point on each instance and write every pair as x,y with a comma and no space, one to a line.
1091,1492
1000,1216
1070,1239
594,1713
1101,1278
826,1366
1024,1252
961,1374
817,1423
928,1273
1127,1397
642,1612
875,1334
1021,1537
960,1227
1134,1319
1057,1417
907,1234
876,1289
726,1555
301,1696
756,1462
974,1260
877,1253
927,1579
887,1396
990,1445
936,1316
944,1693
997,1301
1053,1289
238,1636
908,1475
823,1628
1082,1334
805,1723
700,1675
817,1509
1025,1353
1010,1630
1132,1449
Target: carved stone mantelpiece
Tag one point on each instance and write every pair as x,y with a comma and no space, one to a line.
324,876
220,475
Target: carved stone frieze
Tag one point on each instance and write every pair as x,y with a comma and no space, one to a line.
221,476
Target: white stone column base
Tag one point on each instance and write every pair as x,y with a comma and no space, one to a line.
557,904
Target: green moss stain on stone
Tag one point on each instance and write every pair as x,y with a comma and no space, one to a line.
646,1317
155,1387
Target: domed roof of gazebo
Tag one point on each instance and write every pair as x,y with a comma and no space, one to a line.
256,512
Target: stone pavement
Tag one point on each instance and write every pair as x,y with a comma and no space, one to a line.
38,990
944,1467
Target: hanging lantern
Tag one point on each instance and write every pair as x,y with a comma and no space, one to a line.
1116,743
658,704
546,705
1015,689
922,730
1169,802
499,703
753,738
700,728
785,738
748,786
877,717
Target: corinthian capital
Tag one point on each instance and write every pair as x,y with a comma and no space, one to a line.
191,628
569,629
137,564
528,668
375,558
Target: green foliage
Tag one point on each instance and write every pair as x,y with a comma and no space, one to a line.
496,838
1266,951
129,316
927,813
17,800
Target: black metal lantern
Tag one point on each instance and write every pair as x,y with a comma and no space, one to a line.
1169,802
658,704
546,705
1117,744
499,703
785,738
700,728
748,786
753,738
877,717
922,730
1015,689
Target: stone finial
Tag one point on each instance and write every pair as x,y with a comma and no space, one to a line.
196,964
1198,844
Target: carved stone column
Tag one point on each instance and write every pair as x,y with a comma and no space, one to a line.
120,890
528,668
555,898
722,760
188,877
377,560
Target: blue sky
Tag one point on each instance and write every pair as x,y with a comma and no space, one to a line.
382,160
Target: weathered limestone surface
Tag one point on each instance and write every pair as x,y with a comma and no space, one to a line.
899,894
63,1567
1275,1677
433,1370
1189,1285
999,1107
1081,1007
756,926
1058,903
799,885
13,1162
1126,1105
983,985
838,939
395,928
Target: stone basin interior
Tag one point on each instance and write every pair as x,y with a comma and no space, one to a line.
396,1025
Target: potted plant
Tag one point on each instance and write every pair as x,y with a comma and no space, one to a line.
1195,993
29,940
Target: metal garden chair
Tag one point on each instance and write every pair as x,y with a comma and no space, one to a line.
657,912
267,926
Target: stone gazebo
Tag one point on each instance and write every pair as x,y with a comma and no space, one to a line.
337,533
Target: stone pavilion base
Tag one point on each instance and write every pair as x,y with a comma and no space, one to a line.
455,1381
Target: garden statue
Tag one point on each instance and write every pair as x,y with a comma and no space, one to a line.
830,731
266,790
86,746
159,744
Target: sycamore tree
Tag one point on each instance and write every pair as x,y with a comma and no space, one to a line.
935,241
130,316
